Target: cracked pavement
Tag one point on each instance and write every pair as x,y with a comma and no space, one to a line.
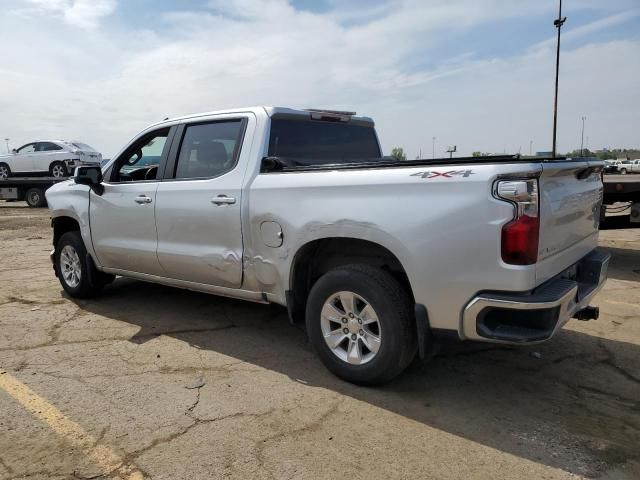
176,384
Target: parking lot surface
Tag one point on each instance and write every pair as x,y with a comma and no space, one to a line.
153,382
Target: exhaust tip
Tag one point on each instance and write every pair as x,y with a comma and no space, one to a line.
587,313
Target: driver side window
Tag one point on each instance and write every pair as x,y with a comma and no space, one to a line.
141,161
28,148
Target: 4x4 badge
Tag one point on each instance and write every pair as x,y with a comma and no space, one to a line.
449,174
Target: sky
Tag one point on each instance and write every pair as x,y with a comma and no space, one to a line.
478,74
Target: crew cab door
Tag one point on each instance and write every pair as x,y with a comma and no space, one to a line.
22,161
198,210
123,220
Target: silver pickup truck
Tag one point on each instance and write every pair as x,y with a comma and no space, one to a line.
380,257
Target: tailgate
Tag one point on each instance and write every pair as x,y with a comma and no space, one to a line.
570,200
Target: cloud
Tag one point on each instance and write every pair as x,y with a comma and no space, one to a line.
116,80
608,22
80,13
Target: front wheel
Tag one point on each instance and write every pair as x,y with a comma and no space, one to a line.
623,171
360,323
5,171
58,170
77,274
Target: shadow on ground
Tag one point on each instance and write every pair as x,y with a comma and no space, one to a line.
616,222
624,264
573,403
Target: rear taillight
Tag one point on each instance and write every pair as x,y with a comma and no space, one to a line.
520,236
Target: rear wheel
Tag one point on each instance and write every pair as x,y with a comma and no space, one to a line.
58,170
360,323
77,274
5,171
35,197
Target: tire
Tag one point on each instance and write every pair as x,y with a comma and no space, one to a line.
395,329
35,198
5,171
75,269
58,170
623,171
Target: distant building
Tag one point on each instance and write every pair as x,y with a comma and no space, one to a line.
544,154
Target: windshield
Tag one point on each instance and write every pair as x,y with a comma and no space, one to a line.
309,142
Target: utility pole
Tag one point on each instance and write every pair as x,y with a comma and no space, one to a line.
530,148
558,24
582,138
6,140
433,147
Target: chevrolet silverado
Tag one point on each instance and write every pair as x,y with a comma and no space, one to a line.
380,257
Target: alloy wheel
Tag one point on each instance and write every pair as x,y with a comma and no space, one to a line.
351,328
58,171
70,266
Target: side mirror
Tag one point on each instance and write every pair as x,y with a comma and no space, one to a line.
90,176
14,151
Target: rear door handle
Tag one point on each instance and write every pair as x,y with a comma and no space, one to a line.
223,200
142,199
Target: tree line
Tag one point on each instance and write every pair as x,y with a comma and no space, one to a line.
398,153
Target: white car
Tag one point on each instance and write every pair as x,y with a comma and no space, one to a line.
629,166
57,158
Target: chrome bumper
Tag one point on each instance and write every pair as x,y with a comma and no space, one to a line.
535,316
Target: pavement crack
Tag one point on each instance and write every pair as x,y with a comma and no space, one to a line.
309,427
54,331
26,301
189,411
610,361
6,466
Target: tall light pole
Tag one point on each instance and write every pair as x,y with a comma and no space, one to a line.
530,148
433,147
582,138
558,24
6,140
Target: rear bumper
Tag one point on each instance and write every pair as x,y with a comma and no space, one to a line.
535,316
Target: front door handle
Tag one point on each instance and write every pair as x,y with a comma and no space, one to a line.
142,199
223,200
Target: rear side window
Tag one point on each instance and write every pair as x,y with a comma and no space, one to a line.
209,149
48,147
310,142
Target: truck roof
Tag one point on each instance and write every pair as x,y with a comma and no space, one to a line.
271,111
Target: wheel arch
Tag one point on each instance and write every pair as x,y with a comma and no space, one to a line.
318,256
61,162
62,225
